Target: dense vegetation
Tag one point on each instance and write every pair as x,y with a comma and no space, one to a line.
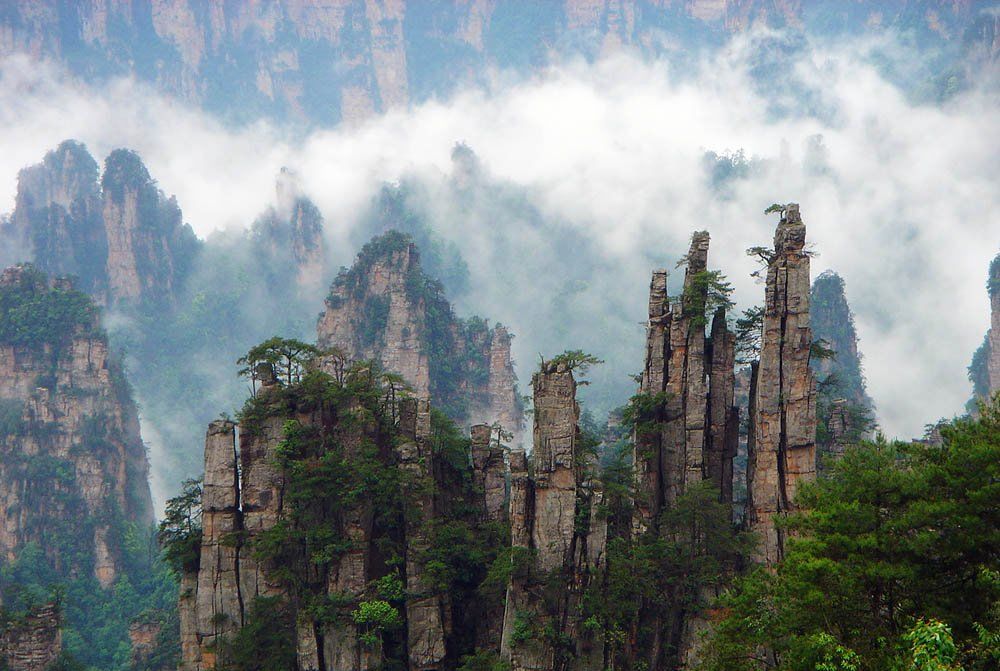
898,545
337,467
34,314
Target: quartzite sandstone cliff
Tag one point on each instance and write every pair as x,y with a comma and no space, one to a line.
243,59
72,455
121,236
385,308
783,451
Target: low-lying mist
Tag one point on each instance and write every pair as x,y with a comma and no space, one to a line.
563,192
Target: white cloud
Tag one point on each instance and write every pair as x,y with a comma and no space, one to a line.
906,209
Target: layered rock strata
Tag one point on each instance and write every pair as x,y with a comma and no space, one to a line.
783,452
33,643
72,457
555,521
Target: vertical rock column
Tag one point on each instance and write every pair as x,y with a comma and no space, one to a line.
648,442
489,474
723,417
994,363
546,510
349,573
784,447
490,477
219,604
425,608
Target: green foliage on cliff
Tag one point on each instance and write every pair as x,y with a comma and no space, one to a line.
344,491
179,532
34,314
897,535
457,349
266,642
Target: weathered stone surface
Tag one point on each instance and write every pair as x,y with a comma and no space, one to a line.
784,452
424,607
544,512
75,411
994,334
35,643
384,308
219,605
489,472
723,423
688,431
648,444
143,636
187,611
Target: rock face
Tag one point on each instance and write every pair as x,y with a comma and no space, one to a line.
994,334
385,308
123,238
691,423
33,644
73,465
57,218
251,497
688,428
291,233
783,453
391,52
426,610
844,410
555,522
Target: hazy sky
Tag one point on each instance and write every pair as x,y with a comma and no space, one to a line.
901,199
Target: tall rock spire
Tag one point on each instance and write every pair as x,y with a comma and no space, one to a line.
784,425
555,520
994,336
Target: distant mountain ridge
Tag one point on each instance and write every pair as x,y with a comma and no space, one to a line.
345,60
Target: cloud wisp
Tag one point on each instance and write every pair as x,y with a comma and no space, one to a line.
591,174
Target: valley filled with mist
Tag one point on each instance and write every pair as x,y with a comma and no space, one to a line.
499,335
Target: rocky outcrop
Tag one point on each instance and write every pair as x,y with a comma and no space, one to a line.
844,410
291,234
489,472
555,521
246,58
218,601
149,246
426,610
783,452
73,465
123,238
385,308
57,219
32,643
994,334
832,324
687,426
